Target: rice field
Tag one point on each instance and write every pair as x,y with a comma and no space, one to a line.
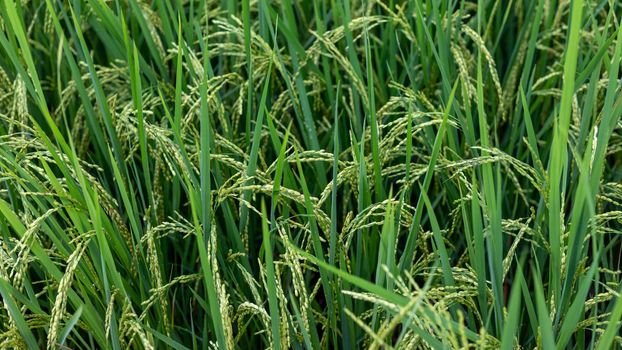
318,174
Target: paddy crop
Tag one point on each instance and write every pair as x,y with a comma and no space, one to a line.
326,174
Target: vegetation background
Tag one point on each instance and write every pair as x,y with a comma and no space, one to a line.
310,174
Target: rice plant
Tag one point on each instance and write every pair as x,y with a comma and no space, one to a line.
321,174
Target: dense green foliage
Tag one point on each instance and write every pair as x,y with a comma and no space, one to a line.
310,174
